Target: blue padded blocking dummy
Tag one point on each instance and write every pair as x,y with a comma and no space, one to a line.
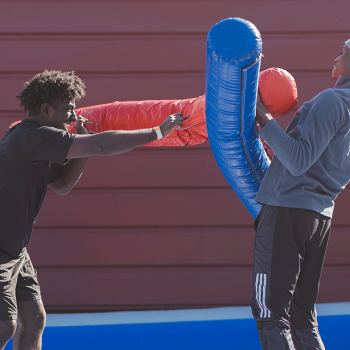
232,68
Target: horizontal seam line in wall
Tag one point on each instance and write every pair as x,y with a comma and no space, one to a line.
106,34
136,228
143,227
133,72
129,267
199,147
155,34
145,188
153,188
145,73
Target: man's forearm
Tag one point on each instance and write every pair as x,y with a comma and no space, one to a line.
72,172
119,141
109,143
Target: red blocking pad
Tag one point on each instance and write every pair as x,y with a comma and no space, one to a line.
278,91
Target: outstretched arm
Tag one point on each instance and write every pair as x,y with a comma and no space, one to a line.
120,141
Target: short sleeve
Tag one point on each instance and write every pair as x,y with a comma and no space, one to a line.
8,132
56,172
47,143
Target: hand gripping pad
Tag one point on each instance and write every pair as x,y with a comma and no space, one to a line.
233,61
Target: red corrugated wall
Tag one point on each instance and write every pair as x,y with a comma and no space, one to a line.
159,228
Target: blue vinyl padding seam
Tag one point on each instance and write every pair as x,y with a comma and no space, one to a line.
244,146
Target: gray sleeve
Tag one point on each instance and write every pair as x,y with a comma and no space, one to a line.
319,121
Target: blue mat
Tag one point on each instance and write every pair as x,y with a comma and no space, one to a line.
198,332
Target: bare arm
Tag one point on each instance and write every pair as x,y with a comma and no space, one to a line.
73,169
119,141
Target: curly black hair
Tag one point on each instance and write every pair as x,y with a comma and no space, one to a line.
50,86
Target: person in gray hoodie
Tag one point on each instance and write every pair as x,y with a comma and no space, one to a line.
311,165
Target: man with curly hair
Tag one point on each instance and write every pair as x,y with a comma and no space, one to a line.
36,153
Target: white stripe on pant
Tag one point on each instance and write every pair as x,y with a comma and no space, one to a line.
260,292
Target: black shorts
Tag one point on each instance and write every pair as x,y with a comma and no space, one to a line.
18,282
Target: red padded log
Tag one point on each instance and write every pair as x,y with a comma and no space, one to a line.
146,114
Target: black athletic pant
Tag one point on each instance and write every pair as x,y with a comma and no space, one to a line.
290,246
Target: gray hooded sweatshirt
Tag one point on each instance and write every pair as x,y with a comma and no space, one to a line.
311,164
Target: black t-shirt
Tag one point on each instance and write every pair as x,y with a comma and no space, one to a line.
30,158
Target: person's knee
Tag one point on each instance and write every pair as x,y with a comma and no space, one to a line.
35,324
7,329
40,321
33,321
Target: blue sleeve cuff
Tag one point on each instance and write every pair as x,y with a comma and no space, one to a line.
268,128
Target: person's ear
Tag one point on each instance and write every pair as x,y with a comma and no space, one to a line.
45,110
